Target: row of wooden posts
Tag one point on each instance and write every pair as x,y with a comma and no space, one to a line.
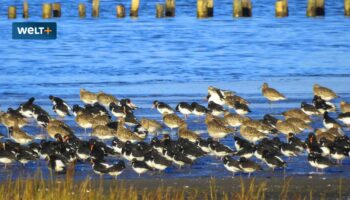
205,8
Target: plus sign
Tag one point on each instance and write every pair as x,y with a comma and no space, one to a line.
48,30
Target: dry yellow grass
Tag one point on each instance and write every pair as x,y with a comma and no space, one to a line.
68,189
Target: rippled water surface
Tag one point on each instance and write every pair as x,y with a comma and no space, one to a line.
176,59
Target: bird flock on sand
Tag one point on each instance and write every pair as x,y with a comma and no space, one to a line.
114,132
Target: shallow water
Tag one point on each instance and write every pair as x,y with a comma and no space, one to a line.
176,59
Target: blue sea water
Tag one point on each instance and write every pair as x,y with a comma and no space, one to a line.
176,59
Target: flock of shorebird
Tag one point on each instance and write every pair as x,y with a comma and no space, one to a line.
127,133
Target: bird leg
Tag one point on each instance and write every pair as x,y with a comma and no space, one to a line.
8,132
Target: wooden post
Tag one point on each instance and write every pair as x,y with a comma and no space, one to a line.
56,7
120,11
210,5
12,12
311,8
347,7
95,8
170,8
237,8
160,10
134,11
246,8
320,8
47,10
82,10
202,9
25,10
281,8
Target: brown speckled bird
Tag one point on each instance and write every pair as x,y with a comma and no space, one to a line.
88,97
251,134
234,120
103,132
299,124
106,99
100,120
297,113
9,119
183,132
271,94
84,120
330,134
344,107
286,128
124,134
216,129
55,126
20,136
152,126
325,93
258,125
172,120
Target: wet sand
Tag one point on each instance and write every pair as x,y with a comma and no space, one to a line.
313,186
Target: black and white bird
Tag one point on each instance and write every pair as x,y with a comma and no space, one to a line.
248,166
60,107
128,104
289,150
219,149
231,165
184,108
102,168
198,109
26,108
130,119
273,161
330,122
25,155
203,145
309,109
319,162
345,118
140,167
140,131
246,151
117,145
325,146
215,109
42,120
83,150
7,156
117,110
339,153
241,143
177,157
323,106
241,109
58,163
296,142
162,107
270,120
131,151
216,95
155,161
